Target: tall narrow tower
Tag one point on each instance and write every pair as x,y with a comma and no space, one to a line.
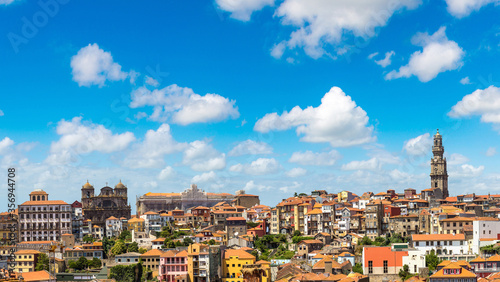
439,174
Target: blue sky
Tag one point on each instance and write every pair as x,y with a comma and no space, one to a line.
269,96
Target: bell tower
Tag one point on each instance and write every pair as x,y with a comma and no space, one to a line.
87,194
439,173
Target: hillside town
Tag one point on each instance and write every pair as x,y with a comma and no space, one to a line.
196,236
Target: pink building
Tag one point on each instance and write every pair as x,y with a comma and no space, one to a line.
172,263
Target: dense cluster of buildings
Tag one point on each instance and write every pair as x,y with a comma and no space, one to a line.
323,235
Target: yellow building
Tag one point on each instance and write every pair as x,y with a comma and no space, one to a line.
136,224
26,260
233,263
198,262
7,220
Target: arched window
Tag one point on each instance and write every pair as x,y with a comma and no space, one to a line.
43,198
38,198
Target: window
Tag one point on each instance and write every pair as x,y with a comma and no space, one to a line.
386,268
370,267
415,268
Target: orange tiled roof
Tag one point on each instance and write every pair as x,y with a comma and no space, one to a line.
438,237
36,203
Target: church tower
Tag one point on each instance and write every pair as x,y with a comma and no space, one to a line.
439,174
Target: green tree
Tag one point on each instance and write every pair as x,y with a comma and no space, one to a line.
366,241
43,262
133,247
119,248
296,233
129,273
88,239
142,251
95,263
432,260
82,263
358,268
107,244
124,235
187,241
404,273
251,224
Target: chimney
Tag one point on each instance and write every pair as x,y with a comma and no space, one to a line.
328,267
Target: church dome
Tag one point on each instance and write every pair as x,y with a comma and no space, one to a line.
87,185
120,185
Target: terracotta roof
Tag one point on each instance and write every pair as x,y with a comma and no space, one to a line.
152,253
37,203
311,242
437,237
235,218
314,211
321,264
150,212
464,273
111,218
38,276
161,194
21,252
478,259
237,253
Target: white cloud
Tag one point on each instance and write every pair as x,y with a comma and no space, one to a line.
466,171
5,144
260,166
278,50
251,147
151,151
463,8
204,177
438,55
82,138
151,81
386,60
322,22
311,158
242,9
6,2
372,55
338,120
491,152
250,185
1,113
93,66
183,105
371,164
418,146
295,187
465,80
201,156
457,159
485,103
166,173
296,172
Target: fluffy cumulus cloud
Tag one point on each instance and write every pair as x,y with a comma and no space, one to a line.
320,23
457,159
418,146
371,164
260,166
482,102
251,186
466,171
166,173
205,177
242,9
202,156
183,106
94,66
463,8
79,138
251,147
491,151
296,172
386,60
439,54
151,151
5,145
465,81
1,113
337,120
312,158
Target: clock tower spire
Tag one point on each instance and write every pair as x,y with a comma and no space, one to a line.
439,173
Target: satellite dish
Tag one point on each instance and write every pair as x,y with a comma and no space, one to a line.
319,199
235,233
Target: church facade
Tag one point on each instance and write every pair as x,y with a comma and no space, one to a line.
109,202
